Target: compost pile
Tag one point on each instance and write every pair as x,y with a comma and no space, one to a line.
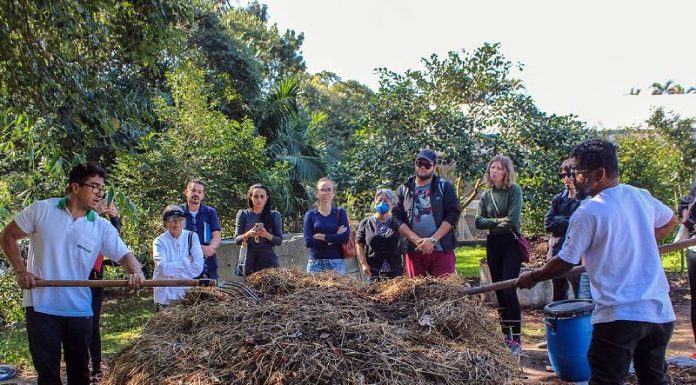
322,329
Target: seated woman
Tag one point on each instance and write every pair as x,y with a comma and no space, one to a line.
377,240
260,228
177,254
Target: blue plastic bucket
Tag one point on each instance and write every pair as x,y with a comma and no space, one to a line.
568,336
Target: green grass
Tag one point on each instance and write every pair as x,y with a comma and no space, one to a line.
468,258
122,321
14,349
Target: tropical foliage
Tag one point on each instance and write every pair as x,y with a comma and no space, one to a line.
165,90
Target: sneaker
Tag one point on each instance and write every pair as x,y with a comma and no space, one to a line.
515,347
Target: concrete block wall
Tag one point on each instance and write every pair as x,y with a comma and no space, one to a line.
292,254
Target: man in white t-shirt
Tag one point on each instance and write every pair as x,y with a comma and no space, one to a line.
616,231
66,237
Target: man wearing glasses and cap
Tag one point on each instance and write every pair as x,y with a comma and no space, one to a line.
203,220
66,235
426,210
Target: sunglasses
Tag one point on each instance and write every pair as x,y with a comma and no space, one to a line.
576,172
425,165
567,175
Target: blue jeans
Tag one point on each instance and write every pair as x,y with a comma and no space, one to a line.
319,265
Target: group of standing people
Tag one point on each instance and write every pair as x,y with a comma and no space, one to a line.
610,226
417,222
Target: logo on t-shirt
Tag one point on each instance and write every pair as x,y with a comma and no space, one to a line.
422,204
83,248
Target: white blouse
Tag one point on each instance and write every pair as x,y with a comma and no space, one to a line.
172,261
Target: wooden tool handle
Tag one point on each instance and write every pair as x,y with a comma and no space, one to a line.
123,283
574,271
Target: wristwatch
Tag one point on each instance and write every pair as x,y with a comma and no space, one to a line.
433,240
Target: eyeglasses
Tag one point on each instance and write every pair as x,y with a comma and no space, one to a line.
176,220
567,175
425,165
99,190
580,171
326,189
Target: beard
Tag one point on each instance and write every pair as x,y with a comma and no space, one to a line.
424,177
582,192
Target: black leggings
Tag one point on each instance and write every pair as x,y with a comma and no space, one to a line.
504,261
691,268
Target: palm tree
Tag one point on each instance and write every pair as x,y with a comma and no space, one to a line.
291,138
676,89
660,89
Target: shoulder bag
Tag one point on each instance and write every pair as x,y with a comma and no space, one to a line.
522,243
348,248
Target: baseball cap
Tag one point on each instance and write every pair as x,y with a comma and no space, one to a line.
172,212
428,155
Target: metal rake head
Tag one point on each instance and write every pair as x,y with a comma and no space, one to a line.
240,288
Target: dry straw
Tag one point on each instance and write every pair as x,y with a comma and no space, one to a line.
321,329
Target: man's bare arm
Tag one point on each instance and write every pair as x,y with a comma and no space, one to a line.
9,237
661,232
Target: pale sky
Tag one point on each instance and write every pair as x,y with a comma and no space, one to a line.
579,57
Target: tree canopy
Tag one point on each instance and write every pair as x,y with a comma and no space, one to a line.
162,91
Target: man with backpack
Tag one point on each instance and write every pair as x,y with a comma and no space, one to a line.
426,211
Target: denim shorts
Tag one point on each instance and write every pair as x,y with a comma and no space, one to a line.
319,265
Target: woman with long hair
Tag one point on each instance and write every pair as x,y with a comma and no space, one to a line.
499,212
325,228
261,228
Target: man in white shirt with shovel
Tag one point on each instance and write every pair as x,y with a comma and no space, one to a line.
66,237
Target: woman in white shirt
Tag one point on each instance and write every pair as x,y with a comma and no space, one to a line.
177,254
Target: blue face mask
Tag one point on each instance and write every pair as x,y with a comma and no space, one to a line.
382,207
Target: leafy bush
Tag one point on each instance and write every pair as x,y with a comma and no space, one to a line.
11,298
200,142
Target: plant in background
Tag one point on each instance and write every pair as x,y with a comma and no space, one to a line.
200,142
648,160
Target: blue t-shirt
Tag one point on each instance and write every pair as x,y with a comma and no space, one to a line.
316,223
